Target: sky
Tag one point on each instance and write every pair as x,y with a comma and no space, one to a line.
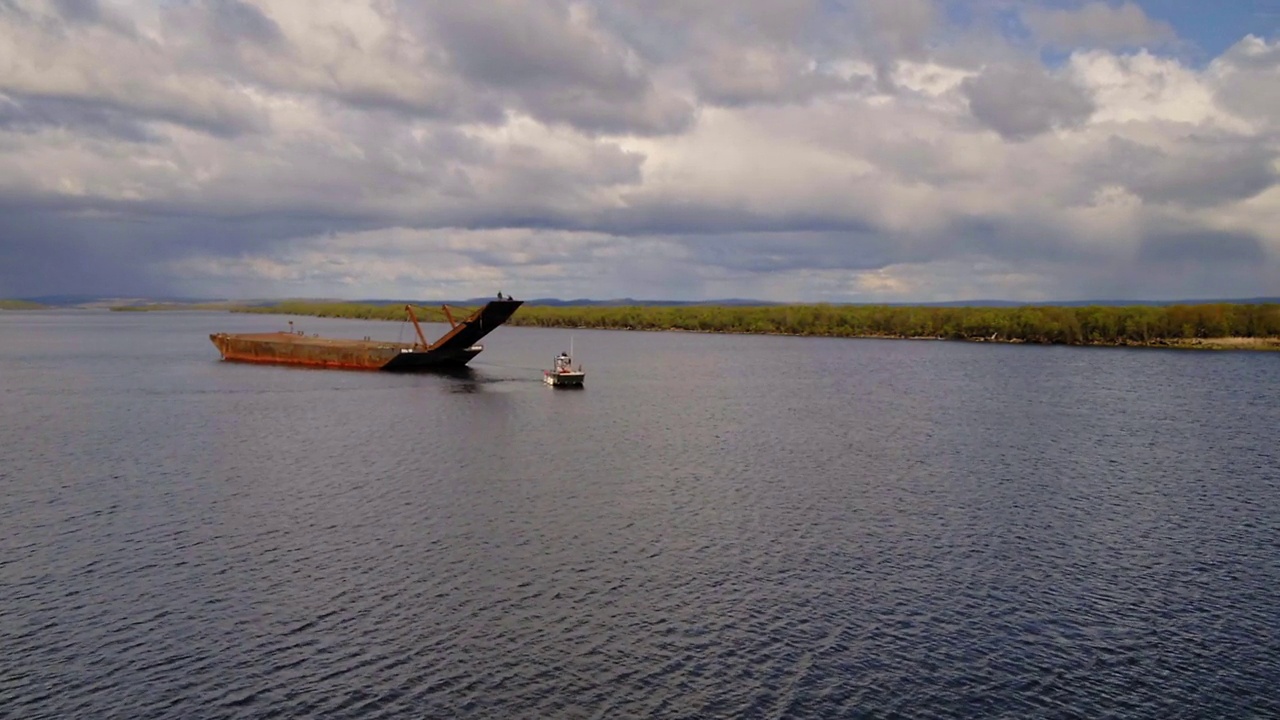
783,150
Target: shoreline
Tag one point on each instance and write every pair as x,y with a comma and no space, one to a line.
1037,326
1263,344
1220,343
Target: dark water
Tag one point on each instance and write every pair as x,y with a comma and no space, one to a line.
717,526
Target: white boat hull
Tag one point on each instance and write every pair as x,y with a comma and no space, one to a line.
563,379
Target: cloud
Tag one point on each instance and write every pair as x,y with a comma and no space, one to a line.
234,21
736,54
1246,79
1020,102
79,10
898,28
1097,24
108,66
1200,171
729,75
84,118
1201,248
781,149
553,60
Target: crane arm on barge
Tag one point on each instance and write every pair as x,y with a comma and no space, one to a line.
418,328
453,324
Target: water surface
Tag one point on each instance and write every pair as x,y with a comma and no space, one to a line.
717,526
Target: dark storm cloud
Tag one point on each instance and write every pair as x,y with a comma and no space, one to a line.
1019,238
1201,248
763,245
87,119
45,258
672,216
225,121
46,250
110,248
451,104
768,252
1022,102
1205,171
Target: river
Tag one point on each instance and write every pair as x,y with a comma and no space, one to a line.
716,526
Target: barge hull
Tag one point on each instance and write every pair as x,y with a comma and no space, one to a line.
452,351
290,349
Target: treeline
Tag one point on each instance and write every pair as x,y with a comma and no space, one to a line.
1088,325
356,311
1042,324
20,305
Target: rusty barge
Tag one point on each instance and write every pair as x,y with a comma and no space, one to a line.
451,351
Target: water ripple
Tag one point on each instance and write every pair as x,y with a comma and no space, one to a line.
785,528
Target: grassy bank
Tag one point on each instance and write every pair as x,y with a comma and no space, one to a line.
20,305
1202,326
